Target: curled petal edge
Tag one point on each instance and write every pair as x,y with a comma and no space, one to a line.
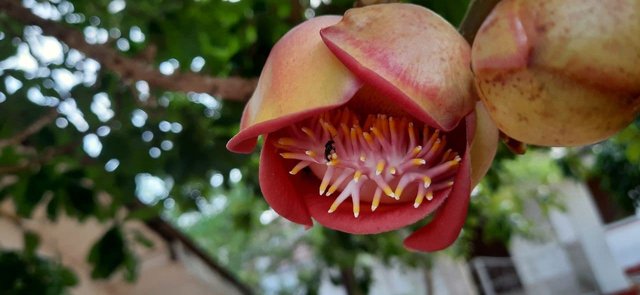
288,90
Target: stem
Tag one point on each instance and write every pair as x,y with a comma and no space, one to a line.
476,14
349,281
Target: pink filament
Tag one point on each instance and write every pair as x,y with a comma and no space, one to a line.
363,161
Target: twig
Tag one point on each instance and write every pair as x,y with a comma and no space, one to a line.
34,128
361,3
476,13
39,159
132,69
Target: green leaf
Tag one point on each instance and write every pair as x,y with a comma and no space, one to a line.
31,242
145,213
141,239
107,254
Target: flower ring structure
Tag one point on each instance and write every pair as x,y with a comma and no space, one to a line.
370,123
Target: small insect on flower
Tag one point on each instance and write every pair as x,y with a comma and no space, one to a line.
329,150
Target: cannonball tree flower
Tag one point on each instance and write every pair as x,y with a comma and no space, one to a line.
560,72
368,123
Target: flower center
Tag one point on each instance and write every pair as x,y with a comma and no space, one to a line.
362,161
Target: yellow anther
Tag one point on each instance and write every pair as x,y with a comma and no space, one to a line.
392,125
345,130
333,162
329,128
392,170
287,141
310,153
426,181
323,185
298,167
454,162
289,155
399,191
363,158
376,200
387,190
368,139
445,157
418,162
419,199
436,145
334,206
416,150
332,189
357,175
376,132
380,167
356,209
308,132
429,195
412,135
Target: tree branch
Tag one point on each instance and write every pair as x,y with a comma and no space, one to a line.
361,3
132,69
30,130
39,159
476,13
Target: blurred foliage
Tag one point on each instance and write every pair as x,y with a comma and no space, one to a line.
113,142
498,204
25,273
614,164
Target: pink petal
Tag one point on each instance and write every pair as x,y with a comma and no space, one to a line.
387,217
281,190
445,227
300,78
411,55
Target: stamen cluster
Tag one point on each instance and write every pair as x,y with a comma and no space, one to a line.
352,158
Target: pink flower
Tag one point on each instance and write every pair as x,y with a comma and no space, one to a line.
368,123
